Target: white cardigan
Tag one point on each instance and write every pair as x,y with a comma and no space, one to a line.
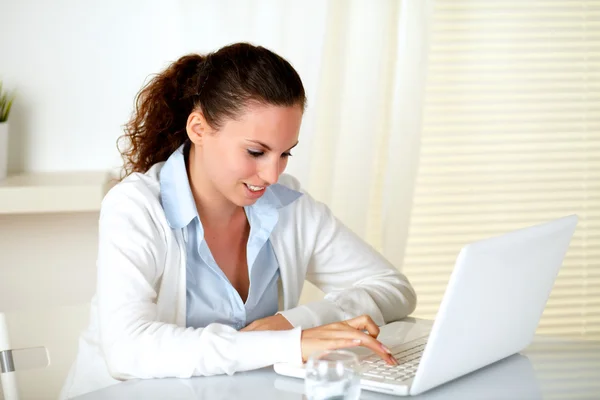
138,315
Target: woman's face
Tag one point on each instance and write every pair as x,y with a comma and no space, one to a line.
249,153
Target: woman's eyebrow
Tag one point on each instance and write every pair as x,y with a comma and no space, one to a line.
267,147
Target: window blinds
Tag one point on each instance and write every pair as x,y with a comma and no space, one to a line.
510,138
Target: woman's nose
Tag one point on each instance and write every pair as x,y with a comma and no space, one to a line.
270,174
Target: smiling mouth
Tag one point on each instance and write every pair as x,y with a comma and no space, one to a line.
255,188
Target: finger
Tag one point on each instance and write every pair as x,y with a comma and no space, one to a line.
377,347
367,341
364,322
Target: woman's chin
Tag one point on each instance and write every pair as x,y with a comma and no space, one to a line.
247,197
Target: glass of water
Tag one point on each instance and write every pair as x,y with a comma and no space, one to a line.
332,375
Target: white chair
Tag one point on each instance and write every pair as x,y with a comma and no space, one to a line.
37,349
8,378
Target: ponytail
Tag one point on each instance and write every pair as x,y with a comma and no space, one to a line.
157,127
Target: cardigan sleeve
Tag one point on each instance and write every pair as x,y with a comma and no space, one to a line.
133,342
357,279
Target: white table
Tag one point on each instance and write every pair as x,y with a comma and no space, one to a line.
550,368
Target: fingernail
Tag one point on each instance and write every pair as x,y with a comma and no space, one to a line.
386,349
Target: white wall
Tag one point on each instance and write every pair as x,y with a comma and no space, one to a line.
77,66
47,260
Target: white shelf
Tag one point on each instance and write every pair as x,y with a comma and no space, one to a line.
52,192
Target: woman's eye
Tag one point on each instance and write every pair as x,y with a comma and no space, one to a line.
254,153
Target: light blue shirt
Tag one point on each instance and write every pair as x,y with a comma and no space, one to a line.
210,296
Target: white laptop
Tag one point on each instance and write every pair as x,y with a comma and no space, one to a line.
490,310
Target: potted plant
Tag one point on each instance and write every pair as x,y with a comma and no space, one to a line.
6,101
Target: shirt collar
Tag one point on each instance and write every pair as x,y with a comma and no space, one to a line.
178,200
277,196
175,192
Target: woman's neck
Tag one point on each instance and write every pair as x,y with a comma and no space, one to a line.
213,208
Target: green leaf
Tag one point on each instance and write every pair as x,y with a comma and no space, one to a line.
3,103
6,102
7,110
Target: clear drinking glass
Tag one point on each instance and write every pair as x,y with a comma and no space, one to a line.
332,375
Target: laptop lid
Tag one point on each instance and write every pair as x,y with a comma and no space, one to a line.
494,301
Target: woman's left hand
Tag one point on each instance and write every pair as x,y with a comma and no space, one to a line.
276,322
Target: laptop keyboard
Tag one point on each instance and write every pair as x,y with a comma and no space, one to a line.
408,356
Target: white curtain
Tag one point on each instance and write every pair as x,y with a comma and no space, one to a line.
510,138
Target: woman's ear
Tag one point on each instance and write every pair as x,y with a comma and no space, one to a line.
196,127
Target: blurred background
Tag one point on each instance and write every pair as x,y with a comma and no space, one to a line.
430,124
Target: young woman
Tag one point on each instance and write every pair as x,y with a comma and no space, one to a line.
204,246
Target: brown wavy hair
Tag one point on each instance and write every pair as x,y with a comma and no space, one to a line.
219,84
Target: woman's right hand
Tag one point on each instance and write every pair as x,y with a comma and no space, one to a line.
345,334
